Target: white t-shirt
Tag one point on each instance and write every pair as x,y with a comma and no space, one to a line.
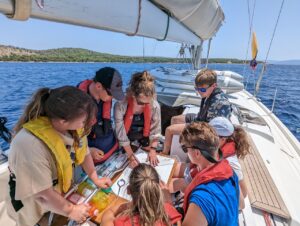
236,166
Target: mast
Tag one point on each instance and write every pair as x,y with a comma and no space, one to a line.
196,55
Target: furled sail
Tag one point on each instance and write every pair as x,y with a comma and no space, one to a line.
254,48
203,17
133,17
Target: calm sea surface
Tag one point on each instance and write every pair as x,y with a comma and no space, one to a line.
18,81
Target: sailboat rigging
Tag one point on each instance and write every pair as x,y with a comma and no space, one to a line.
273,186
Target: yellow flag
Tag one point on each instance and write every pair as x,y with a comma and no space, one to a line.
254,46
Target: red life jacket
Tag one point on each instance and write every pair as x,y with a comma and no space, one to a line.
129,116
218,172
106,114
172,213
228,149
106,108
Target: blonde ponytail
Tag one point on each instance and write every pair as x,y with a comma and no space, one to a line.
147,196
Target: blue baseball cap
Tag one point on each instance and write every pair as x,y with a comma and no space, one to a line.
222,126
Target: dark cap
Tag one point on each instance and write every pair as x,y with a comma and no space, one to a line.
111,80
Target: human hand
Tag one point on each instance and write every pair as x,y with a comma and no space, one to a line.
96,153
80,212
104,182
152,158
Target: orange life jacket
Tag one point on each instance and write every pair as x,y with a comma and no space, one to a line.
106,108
106,114
172,213
218,172
129,116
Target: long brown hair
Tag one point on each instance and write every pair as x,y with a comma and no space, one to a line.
65,102
147,196
241,140
141,83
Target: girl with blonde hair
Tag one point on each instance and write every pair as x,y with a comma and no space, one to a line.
148,206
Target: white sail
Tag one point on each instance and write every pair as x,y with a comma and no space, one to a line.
203,17
124,16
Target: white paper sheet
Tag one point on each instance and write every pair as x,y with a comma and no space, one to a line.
164,170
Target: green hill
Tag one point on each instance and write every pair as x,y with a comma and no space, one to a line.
11,53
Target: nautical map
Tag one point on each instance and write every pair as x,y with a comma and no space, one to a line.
164,170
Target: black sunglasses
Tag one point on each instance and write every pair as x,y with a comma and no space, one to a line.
205,153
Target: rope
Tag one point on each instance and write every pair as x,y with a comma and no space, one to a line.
40,3
138,20
167,30
208,50
248,43
265,62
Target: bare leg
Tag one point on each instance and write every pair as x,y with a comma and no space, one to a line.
177,184
179,170
175,129
241,200
243,188
178,119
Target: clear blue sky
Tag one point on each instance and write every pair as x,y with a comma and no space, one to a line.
230,41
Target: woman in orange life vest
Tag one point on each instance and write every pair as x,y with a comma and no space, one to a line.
50,139
138,118
148,206
212,196
106,84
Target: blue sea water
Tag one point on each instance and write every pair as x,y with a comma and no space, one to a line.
20,80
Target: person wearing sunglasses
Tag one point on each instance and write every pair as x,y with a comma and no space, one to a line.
214,103
212,196
138,118
106,85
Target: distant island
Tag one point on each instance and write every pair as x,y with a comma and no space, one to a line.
285,62
11,53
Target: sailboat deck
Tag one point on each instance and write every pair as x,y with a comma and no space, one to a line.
262,191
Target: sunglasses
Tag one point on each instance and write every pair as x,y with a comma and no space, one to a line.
204,153
202,90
